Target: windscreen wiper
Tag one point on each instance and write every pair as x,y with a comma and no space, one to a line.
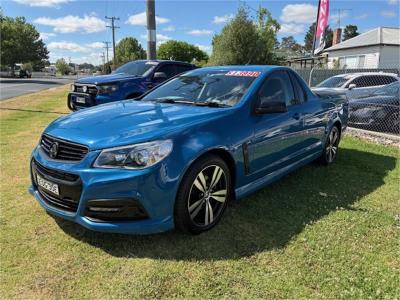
173,100
211,104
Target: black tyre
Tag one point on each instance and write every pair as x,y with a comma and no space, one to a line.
70,105
393,122
203,195
331,146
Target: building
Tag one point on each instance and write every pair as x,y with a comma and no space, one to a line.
377,48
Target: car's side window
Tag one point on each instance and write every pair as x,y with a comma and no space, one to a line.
361,81
387,79
299,91
276,88
183,68
168,69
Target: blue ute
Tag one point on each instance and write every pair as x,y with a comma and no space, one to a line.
174,157
128,81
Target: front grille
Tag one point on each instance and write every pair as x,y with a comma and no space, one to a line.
91,89
56,173
65,203
70,187
65,150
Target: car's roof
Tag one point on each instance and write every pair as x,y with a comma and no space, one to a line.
353,75
254,68
163,61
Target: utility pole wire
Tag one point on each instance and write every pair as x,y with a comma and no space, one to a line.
113,27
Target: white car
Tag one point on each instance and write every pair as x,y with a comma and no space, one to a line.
357,85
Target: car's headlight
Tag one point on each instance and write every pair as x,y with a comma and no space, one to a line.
72,87
107,89
137,156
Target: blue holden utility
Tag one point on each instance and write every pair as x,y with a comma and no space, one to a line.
128,81
175,157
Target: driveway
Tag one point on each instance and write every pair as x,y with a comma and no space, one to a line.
12,87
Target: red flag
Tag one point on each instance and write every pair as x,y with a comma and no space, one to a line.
322,24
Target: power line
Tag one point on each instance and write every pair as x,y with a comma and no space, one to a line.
113,27
106,46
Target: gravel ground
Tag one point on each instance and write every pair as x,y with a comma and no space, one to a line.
375,137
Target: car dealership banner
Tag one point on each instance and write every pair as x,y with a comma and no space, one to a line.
322,23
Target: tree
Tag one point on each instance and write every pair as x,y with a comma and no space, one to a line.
128,49
62,66
20,42
182,51
309,37
243,41
350,31
290,44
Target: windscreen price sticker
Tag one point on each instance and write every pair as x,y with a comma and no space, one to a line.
243,73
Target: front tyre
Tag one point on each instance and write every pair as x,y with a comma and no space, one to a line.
203,195
331,147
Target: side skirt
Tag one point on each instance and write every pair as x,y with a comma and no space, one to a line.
247,189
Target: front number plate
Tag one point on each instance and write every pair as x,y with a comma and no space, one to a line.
80,100
47,185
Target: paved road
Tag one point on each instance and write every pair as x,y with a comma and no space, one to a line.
12,87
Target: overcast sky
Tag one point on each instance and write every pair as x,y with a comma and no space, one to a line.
76,29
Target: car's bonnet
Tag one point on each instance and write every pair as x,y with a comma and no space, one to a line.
103,79
127,122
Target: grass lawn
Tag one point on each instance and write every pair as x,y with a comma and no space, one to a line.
321,232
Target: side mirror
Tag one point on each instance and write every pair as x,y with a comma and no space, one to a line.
160,75
352,86
272,107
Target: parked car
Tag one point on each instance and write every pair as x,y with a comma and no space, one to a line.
128,81
379,111
358,85
177,155
24,74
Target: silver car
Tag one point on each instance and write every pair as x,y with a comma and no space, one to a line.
357,85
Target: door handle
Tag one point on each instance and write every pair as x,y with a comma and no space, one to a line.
297,116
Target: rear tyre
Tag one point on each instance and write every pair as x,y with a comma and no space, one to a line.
331,147
203,195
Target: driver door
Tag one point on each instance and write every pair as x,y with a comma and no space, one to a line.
277,136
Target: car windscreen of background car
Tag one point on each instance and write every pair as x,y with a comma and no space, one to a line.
223,87
135,68
333,82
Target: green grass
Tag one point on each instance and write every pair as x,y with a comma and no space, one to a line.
321,232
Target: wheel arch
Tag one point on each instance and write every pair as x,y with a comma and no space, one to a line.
221,152
338,124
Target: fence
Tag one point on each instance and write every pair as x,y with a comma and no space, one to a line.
373,95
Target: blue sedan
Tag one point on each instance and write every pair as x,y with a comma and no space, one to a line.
175,157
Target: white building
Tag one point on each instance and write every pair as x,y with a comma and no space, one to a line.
377,48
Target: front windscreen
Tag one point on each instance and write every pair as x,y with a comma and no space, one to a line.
203,86
333,82
135,68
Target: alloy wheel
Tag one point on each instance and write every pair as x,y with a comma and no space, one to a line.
332,145
207,196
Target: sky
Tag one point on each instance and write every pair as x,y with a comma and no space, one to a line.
76,30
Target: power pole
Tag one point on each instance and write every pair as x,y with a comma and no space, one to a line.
151,29
104,63
106,46
113,27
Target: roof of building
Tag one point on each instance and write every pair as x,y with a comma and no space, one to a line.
377,36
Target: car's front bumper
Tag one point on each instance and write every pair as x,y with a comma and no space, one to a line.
152,188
